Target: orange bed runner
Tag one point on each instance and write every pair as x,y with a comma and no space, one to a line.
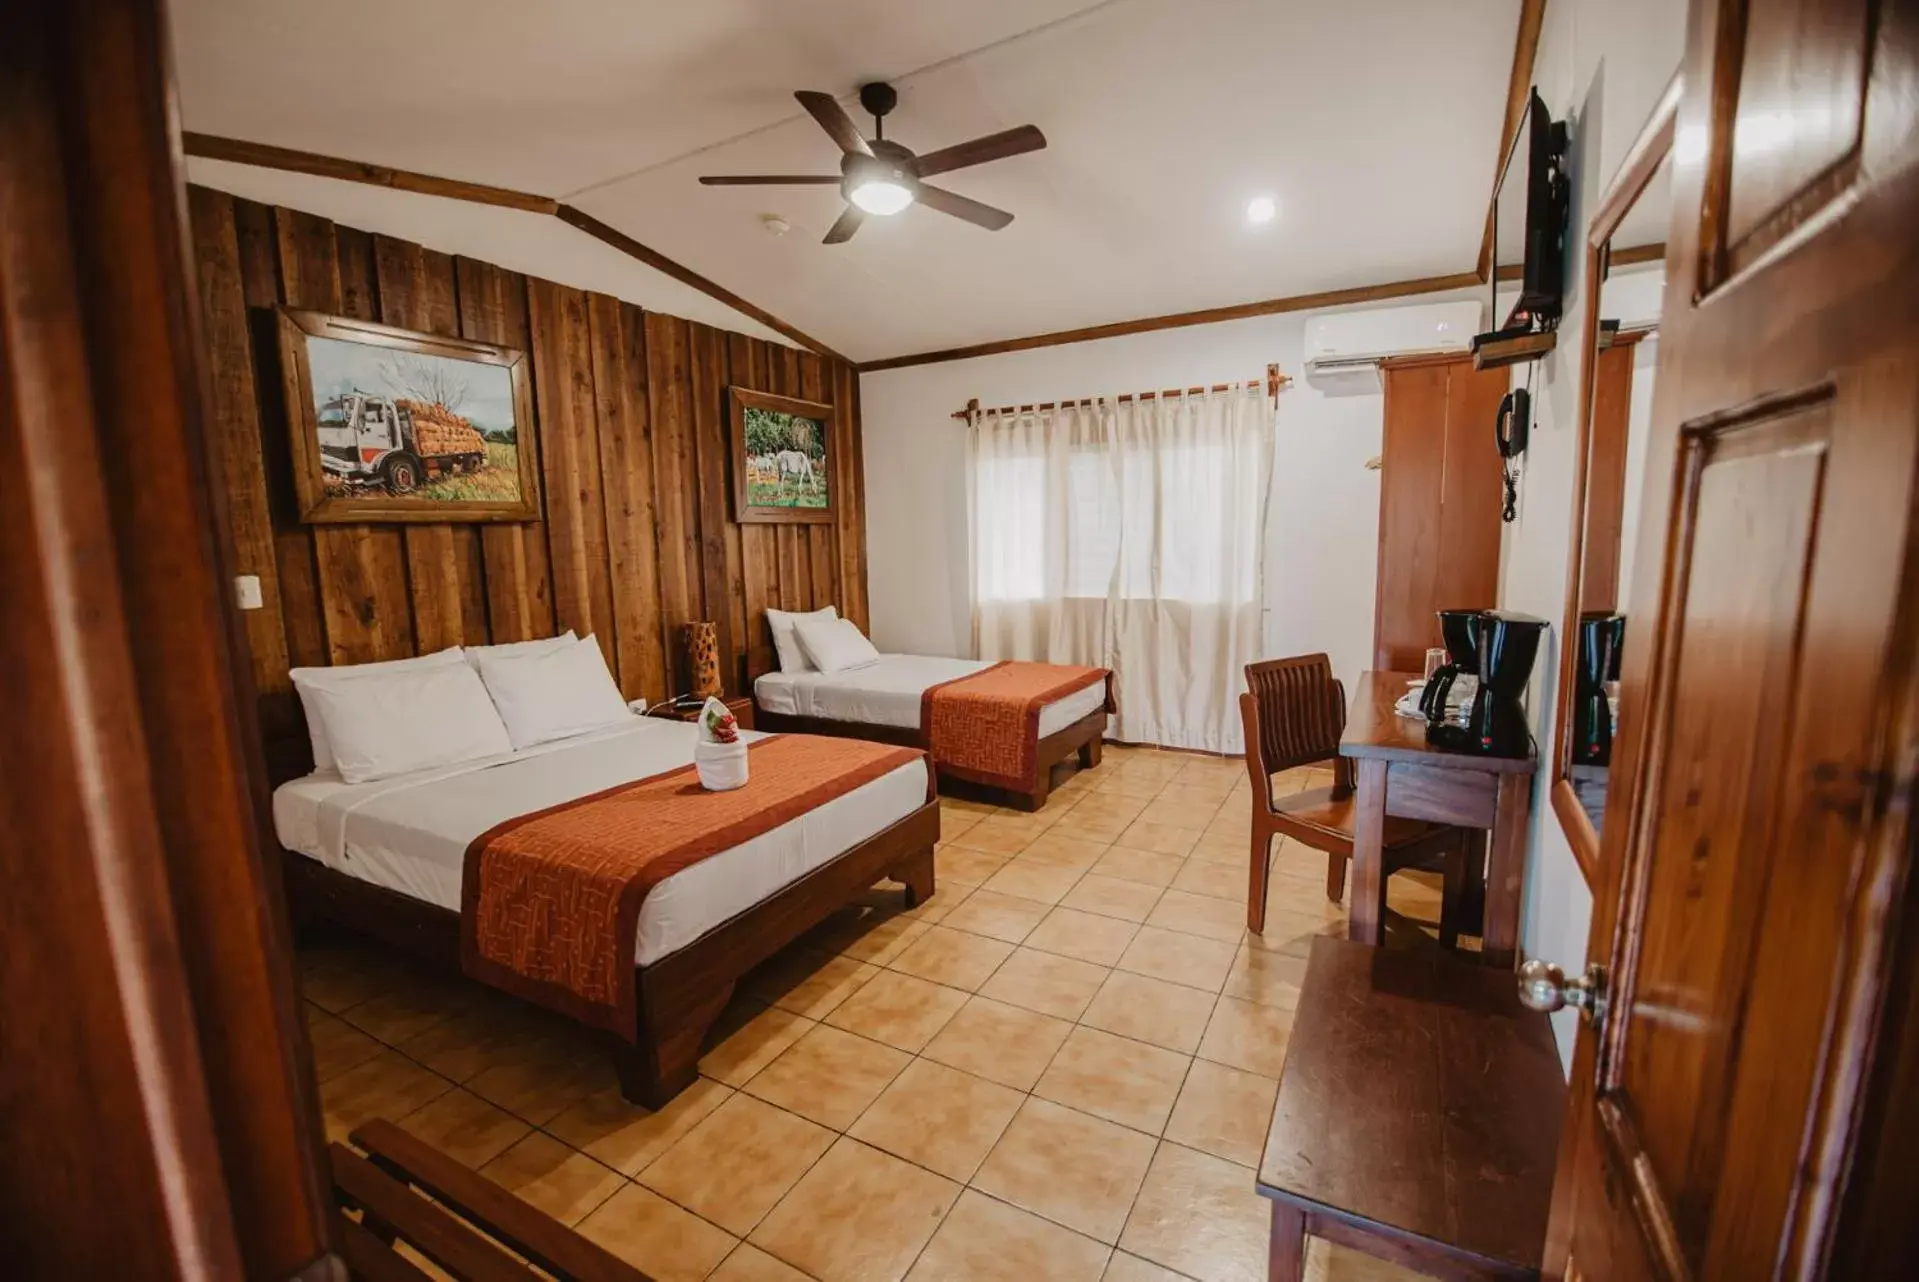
551,900
985,726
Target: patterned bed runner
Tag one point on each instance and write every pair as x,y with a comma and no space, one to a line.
985,726
551,900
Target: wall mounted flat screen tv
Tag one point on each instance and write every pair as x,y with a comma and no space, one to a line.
1529,223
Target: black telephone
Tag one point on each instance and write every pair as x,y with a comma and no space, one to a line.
1510,429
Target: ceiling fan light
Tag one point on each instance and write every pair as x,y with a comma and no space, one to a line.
881,196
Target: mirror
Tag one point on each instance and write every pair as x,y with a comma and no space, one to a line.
1621,333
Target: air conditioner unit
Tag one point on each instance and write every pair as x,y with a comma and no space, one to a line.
1343,349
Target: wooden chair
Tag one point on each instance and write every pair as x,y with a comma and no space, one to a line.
1294,713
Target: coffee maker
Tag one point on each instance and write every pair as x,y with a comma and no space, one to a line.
1602,635
1503,647
1459,629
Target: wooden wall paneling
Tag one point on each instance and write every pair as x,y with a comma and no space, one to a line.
676,528
570,460
818,543
849,536
362,568
1606,477
746,367
233,430
859,589
794,594
1473,493
626,466
1414,459
706,369
519,597
735,636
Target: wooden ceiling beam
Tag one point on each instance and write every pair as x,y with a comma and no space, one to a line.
1519,83
264,156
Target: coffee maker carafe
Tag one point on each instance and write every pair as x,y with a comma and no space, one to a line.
1504,647
1459,629
1602,634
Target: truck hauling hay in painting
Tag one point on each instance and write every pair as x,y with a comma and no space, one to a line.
369,441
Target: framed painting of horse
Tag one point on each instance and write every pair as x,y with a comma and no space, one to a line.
782,471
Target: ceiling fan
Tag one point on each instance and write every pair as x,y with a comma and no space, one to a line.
878,176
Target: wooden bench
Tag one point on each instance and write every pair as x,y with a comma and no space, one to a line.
1417,1119
462,1229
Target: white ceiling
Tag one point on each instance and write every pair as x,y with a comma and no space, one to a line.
1374,124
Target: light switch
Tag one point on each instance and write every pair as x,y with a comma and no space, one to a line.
246,592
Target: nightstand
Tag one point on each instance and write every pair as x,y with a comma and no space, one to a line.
741,706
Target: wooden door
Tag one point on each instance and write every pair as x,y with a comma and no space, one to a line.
1733,1115
1439,499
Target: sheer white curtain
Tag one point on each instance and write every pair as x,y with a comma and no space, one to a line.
1128,534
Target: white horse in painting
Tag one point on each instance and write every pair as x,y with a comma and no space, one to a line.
795,464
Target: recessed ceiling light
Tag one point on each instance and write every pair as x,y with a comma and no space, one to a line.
1261,209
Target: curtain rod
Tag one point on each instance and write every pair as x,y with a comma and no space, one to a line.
1274,381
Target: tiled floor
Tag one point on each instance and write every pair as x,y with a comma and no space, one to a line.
1061,1067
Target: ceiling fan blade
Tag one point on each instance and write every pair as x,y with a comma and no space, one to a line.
963,207
826,109
768,180
843,229
1012,142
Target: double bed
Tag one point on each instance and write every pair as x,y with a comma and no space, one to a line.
390,858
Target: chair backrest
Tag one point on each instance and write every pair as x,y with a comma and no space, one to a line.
1301,710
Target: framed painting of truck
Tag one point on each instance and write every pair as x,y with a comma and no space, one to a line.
393,425
780,464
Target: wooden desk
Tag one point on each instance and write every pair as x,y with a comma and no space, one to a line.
1417,1119
1399,774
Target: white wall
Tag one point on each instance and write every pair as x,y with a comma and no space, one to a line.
1601,66
1323,517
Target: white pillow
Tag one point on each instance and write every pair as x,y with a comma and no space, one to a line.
544,644
307,680
785,644
834,645
394,723
550,694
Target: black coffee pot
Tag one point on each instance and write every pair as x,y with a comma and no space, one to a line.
1602,635
1459,629
1504,647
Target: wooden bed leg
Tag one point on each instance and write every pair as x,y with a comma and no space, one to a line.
916,871
666,1058
1089,752
1036,799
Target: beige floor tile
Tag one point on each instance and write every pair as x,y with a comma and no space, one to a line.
1108,805
1269,978
1178,813
953,958
1052,985
1157,837
409,1007
1002,1043
1142,866
1200,1216
828,1076
548,1078
900,1010
1095,826
999,835
869,937
562,1181
1150,1010
954,822
657,1237
1216,847
466,1128
1219,919
1223,1111
1063,850
1326,1262
1221,881
1197,801
1130,1268
960,866
939,1118
750,1264
735,1165
743,1050
808,982
1074,1169
1115,1078
1041,883
625,1136
1003,917
389,1085
479,1038
1183,959
338,978
1111,897
337,1045
860,1215
1248,1036
988,1241
1087,936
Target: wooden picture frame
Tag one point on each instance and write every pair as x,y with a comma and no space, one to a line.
391,456
749,506
1636,171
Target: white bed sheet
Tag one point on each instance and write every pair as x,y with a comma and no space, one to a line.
887,693
410,833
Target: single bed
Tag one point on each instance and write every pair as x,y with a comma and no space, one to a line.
882,700
388,858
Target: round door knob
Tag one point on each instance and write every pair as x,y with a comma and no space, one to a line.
1544,987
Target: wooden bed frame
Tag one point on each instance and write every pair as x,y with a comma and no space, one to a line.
681,994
